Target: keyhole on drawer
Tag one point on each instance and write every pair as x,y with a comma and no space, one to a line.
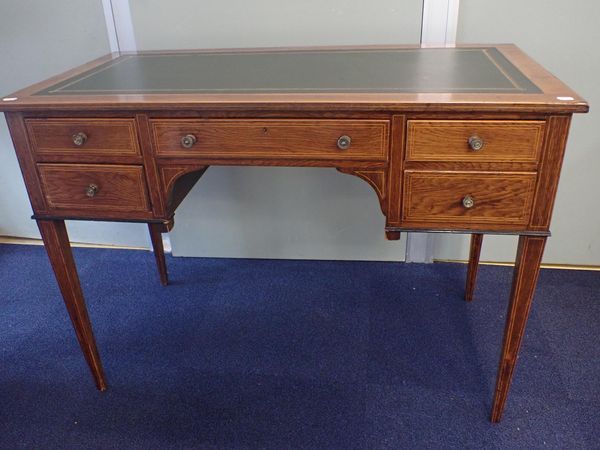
265,130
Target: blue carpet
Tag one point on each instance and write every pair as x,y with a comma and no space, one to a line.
292,354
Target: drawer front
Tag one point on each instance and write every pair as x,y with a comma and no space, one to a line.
468,197
94,186
285,139
92,137
459,140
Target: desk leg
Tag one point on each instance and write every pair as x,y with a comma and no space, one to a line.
476,240
156,230
56,241
527,269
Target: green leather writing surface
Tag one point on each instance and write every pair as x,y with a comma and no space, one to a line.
446,70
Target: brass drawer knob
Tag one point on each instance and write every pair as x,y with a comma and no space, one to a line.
91,190
476,143
79,139
344,142
188,141
468,202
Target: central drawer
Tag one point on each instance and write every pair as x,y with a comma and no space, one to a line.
460,198
285,139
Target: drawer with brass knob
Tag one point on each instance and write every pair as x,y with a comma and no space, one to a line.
83,138
343,139
97,187
454,199
500,141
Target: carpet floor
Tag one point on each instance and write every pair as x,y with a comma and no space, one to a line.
248,354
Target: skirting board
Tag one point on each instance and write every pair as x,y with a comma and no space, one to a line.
510,264
27,241
31,241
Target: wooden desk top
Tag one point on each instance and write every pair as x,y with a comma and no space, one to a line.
472,77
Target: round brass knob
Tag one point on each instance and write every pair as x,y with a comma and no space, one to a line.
476,143
91,190
468,201
79,139
344,142
188,141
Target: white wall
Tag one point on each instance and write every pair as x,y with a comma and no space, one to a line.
278,212
563,36
38,39
267,23
298,212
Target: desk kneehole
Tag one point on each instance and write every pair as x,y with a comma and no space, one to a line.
329,139
466,198
98,187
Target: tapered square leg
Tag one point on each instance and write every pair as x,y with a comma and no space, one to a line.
475,252
527,269
56,241
156,230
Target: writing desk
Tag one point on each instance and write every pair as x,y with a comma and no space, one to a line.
467,139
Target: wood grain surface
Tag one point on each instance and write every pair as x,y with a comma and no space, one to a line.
308,139
527,268
156,230
119,188
499,197
56,242
474,254
447,140
105,137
